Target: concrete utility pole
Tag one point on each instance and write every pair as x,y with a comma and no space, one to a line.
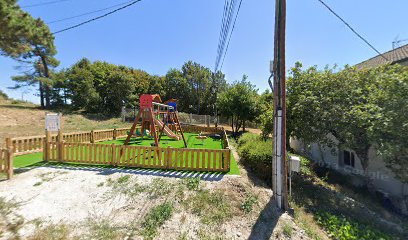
279,163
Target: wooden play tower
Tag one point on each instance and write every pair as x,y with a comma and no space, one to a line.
157,118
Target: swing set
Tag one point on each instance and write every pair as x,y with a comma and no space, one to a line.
157,118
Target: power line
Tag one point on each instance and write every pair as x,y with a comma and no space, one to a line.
232,30
96,18
352,29
226,24
43,4
88,13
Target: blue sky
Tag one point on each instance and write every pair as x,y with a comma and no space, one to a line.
156,35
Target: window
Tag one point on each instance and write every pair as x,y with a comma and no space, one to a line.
348,158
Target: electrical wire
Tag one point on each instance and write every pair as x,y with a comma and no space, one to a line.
43,4
96,18
352,29
229,8
88,13
232,30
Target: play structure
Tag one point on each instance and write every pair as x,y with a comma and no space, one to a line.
156,119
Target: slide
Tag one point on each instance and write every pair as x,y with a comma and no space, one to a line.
167,130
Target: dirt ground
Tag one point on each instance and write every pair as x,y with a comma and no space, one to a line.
81,198
26,119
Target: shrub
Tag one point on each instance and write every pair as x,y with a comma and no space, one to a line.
252,148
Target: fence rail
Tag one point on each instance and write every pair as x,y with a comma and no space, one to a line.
24,145
81,147
140,156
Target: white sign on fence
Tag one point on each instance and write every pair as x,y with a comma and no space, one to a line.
53,122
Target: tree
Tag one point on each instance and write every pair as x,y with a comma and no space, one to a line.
239,102
29,41
324,103
361,109
266,113
3,95
391,117
195,86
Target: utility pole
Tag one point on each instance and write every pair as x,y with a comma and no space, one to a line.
279,163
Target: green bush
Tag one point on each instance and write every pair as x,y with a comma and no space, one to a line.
252,148
342,228
247,137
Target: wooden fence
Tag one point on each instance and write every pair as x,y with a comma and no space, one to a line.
80,147
140,156
6,162
24,145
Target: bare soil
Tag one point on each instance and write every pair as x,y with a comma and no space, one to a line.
71,198
26,119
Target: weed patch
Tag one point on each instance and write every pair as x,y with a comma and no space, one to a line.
211,207
155,219
51,232
248,205
102,229
125,186
192,183
340,227
287,230
159,187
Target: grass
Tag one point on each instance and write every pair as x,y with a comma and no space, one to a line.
287,230
102,229
212,207
165,141
343,228
34,159
156,217
51,232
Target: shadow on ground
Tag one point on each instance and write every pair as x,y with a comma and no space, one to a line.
266,222
103,170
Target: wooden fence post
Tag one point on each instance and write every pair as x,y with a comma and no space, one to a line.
46,150
60,147
9,158
227,160
168,158
113,154
114,134
92,140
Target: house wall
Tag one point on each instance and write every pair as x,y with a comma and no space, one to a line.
382,178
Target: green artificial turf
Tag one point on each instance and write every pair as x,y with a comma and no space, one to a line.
27,160
192,142
165,141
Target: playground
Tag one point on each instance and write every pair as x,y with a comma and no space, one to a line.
156,140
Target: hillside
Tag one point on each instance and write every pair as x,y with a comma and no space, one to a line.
19,118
